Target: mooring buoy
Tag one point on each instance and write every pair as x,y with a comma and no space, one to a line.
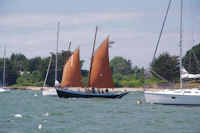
139,102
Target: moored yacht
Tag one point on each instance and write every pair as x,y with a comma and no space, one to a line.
176,96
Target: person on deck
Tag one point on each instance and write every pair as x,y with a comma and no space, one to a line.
93,90
98,90
106,90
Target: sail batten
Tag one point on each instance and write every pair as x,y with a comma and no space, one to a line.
71,71
101,75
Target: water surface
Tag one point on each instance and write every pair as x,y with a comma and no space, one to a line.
24,111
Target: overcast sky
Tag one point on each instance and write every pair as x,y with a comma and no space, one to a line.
29,27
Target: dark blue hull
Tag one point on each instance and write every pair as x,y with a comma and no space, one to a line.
76,94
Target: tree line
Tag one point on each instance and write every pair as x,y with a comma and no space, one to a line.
21,71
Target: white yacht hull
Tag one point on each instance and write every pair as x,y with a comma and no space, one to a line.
4,90
173,97
50,92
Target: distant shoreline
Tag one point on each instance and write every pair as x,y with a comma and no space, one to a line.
35,88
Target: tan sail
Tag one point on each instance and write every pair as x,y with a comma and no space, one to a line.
101,75
71,71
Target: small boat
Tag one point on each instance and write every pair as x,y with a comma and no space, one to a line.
176,96
48,92
4,88
51,92
100,76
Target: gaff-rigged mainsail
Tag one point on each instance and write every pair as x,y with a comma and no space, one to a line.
101,75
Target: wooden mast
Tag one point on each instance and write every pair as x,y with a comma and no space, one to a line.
69,46
92,57
68,51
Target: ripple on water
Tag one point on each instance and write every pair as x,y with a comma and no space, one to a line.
92,115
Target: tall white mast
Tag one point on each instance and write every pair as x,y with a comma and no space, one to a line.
4,66
57,52
180,58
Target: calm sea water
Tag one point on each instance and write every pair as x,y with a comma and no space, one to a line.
27,111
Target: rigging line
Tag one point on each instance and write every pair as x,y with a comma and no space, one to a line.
161,31
44,84
160,77
159,38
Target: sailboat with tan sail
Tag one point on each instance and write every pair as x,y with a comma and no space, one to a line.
100,76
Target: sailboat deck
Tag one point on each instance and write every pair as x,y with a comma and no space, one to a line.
190,92
80,94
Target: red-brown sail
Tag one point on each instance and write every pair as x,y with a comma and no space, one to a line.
71,71
101,76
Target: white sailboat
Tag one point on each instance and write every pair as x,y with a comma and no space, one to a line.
52,92
48,92
4,88
178,96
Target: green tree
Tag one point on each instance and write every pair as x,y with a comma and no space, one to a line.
166,66
192,56
19,60
117,78
30,79
32,64
11,72
120,65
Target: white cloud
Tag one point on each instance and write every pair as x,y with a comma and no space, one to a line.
76,18
35,34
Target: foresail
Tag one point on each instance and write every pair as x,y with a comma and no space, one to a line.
71,71
101,75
